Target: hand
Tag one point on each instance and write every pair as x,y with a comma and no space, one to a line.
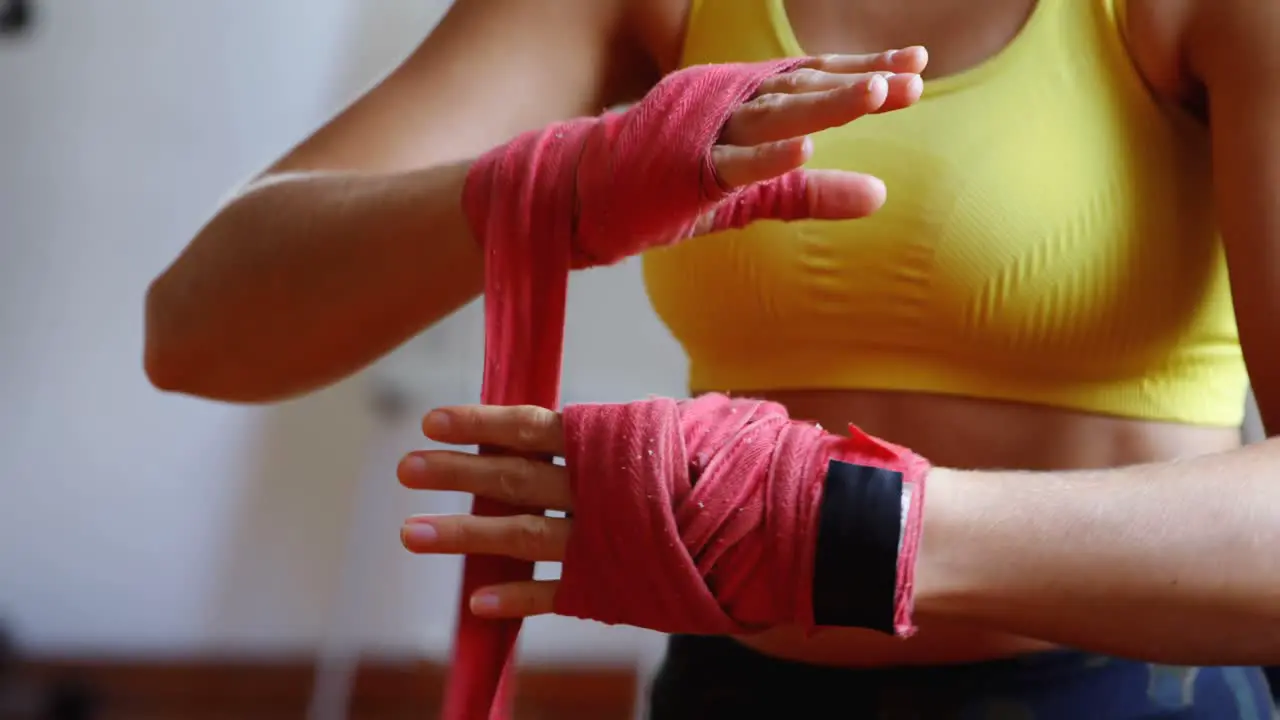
768,136
709,147
508,478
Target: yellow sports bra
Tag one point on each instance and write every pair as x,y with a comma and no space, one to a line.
1047,238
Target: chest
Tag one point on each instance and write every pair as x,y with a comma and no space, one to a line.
1035,210
961,34
958,34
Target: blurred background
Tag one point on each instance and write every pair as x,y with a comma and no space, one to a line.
165,557
183,558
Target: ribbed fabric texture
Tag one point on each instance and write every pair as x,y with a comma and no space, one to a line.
1048,237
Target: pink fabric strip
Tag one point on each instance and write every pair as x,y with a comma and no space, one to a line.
586,192
702,516
520,202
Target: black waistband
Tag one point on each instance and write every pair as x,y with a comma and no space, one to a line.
730,657
708,678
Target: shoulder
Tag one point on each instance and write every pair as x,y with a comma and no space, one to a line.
1156,33
1234,41
1184,46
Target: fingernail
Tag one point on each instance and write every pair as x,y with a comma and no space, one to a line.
484,602
436,423
418,533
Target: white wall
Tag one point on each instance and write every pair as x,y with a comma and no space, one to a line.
131,521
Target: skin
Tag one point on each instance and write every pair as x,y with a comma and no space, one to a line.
353,241
1033,553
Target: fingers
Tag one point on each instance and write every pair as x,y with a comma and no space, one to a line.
776,192
511,479
514,480
828,91
800,194
766,137
911,59
820,101
515,600
838,195
904,88
741,166
778,116
522,428
524,537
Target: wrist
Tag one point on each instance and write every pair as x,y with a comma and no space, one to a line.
870,519
946,581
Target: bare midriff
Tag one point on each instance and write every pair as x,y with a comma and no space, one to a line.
968,433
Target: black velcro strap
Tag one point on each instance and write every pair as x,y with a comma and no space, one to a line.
855,572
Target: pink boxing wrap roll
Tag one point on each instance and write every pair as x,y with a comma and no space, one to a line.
701,516
590,191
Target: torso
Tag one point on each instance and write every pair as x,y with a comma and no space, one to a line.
955,431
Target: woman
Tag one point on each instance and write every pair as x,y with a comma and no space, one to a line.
1043,289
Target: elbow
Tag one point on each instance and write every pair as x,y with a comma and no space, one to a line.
185,355
188,346
175,356
163,373
166,368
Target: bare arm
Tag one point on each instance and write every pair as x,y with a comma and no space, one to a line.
1170,562
1178,562
1234,51
355,240
1174,562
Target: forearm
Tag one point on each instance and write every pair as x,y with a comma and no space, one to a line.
1173,562
302,280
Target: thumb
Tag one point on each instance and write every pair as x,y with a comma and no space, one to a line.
800,195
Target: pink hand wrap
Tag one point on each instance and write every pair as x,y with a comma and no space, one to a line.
701,516
586,192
